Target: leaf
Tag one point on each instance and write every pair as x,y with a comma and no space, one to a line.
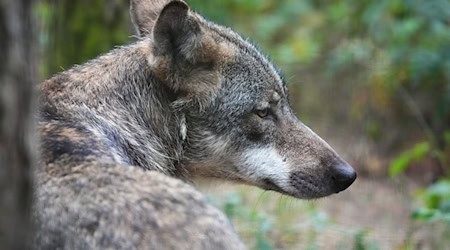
424,214
262,243
447,137
232,202
417,153
441,188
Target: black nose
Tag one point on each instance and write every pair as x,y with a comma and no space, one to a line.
343,176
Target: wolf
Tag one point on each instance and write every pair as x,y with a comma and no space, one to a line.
122,137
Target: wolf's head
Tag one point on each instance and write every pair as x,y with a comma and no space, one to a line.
236,121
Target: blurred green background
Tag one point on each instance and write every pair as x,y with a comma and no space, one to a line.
372,77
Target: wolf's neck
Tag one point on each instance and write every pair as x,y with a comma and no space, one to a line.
117,97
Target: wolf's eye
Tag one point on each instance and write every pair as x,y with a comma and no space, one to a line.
263,113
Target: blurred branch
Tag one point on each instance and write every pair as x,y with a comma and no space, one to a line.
417,113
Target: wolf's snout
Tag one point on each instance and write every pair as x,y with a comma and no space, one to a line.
343,176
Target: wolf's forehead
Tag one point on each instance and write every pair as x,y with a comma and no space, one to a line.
247,48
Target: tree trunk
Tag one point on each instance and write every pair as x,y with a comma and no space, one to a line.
17,77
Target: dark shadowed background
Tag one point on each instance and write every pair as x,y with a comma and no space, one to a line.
371,77
17,79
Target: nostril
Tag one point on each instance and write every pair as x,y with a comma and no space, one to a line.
343,176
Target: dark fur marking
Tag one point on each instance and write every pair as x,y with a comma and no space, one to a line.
135,156
53,147
57,141
255,136
48,113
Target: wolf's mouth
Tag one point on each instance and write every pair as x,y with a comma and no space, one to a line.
268,184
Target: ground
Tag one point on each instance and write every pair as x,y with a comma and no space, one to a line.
371,214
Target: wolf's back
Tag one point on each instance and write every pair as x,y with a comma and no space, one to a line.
101,205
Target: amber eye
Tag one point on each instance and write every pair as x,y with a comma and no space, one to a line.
263,113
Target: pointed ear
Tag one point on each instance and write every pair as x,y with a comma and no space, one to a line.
144,14
176,33
186,54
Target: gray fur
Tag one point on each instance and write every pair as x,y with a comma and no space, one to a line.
189,99
102,205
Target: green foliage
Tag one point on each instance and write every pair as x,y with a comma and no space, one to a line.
361,243
434,209
435,203
76,31
401,162
258,224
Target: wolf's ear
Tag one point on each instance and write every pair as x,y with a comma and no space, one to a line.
186,54
144,14
176,33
